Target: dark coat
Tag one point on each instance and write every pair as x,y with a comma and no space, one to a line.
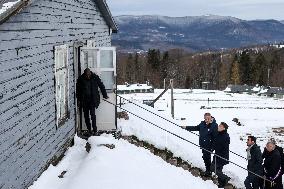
87,90
272,164
280,150
255,163
207,133
221,147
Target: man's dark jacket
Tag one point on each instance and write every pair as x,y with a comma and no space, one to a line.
280,150
272,164
87,90
207,133
255,162
221,147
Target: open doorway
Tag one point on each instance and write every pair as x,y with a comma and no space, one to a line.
102,61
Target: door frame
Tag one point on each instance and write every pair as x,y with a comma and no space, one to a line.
77,71
78,47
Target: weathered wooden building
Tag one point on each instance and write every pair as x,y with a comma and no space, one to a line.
39,55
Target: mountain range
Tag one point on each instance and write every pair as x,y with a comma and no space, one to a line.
194,33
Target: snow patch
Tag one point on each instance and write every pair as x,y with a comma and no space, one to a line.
133,87
7,6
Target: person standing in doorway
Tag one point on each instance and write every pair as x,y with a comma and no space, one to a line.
89,98
208,130
254,164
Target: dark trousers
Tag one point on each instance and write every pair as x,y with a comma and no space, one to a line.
222,178
253,182
90,110
206,156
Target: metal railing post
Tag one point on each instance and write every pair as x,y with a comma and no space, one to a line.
215,168
172,98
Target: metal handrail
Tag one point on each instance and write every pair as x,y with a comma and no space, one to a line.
216,155
172,122
157,98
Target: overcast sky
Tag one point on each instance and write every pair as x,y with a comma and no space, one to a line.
244,9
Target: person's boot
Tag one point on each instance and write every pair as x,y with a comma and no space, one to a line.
223,183
88,133
226,181
221,186
207,172
95,132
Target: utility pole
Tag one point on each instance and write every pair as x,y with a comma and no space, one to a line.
172,98
268,75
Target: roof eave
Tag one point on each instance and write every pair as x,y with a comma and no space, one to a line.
107,15
17,7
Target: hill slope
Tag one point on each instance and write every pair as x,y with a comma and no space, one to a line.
197,33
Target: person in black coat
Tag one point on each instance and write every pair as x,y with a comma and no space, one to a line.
272,166
221,157
88,96
280,150
254,164
207,133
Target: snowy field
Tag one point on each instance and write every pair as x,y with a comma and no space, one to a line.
259,116
129,167
124,167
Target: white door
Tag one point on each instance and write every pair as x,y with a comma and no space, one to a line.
102,61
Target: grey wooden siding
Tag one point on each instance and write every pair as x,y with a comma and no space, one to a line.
28,135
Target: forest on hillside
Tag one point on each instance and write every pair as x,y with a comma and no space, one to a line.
258,65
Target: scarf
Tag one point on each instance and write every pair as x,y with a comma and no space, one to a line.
248,152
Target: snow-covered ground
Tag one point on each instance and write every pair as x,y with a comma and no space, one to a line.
128,166
124,167
256,114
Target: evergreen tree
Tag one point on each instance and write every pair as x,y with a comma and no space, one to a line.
165,65
187,84
153,58
259,70
246,68
129,69
137,68
275,62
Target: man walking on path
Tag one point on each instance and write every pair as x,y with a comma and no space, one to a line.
88,96
273,164
207,133
221,148
254,164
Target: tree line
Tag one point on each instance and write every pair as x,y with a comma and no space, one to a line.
259,65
